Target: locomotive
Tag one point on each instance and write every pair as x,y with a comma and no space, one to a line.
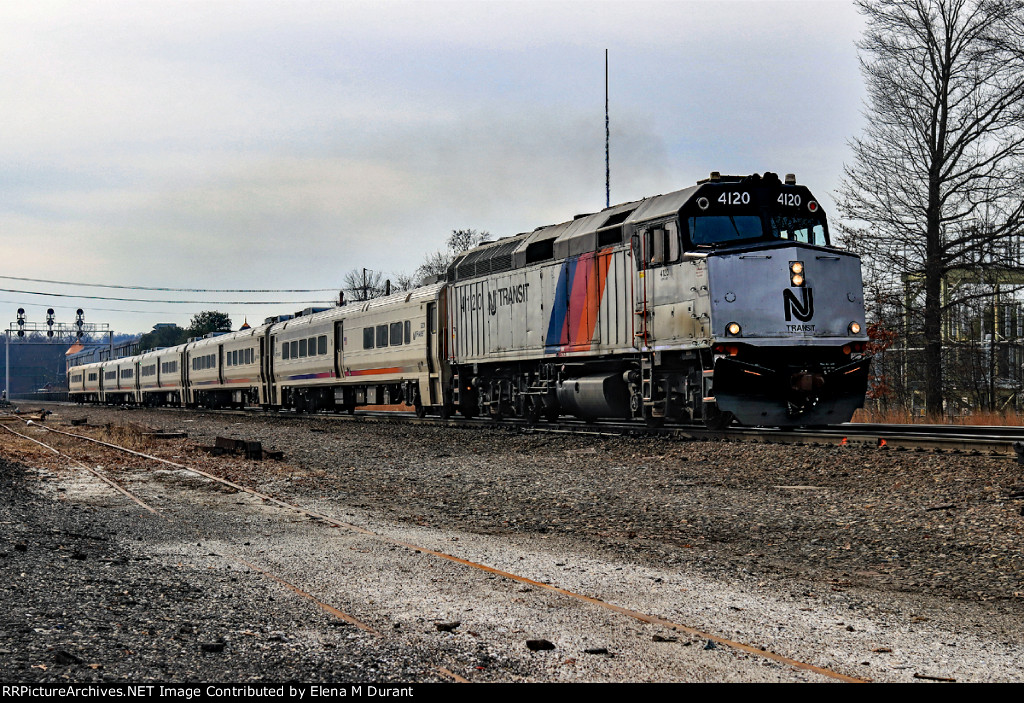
721,302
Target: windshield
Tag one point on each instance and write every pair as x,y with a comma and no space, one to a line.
799,229
712,230
718,229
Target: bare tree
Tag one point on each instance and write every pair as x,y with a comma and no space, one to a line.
403,281
459,241
436,264
364,284
935,183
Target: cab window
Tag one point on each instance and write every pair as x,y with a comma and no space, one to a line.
657,245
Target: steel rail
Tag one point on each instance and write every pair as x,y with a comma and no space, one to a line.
94,472
942,438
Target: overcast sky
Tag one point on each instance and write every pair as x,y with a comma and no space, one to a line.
264,144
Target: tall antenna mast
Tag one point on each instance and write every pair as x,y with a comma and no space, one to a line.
607,140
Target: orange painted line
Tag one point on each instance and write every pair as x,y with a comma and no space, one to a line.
323,606
643,617
375,372
452,675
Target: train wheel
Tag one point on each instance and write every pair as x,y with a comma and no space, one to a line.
551,414
533,411
653,421
446,411
421,410
715,419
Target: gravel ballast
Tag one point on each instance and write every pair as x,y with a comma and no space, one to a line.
879,564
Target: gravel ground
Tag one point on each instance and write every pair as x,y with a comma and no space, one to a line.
880,564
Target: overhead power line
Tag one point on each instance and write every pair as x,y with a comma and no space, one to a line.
95,309
173,290
173,302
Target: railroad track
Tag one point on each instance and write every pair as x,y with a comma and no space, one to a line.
990,440
419,549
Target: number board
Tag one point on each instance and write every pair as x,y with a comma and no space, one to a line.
732,198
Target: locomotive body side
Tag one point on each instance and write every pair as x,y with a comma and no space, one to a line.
574,307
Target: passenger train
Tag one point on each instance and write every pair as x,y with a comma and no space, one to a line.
725,301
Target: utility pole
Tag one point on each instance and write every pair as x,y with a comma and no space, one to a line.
607,140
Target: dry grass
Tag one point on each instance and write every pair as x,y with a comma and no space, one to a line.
904,417
130,436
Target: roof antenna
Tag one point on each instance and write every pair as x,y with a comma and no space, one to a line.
607,140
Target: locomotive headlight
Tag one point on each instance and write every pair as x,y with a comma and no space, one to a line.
733,328
854,328
796,274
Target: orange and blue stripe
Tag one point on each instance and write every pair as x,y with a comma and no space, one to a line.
578,296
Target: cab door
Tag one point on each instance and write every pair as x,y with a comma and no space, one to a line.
657,249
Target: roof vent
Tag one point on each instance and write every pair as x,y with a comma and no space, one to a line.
716,176
791,179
